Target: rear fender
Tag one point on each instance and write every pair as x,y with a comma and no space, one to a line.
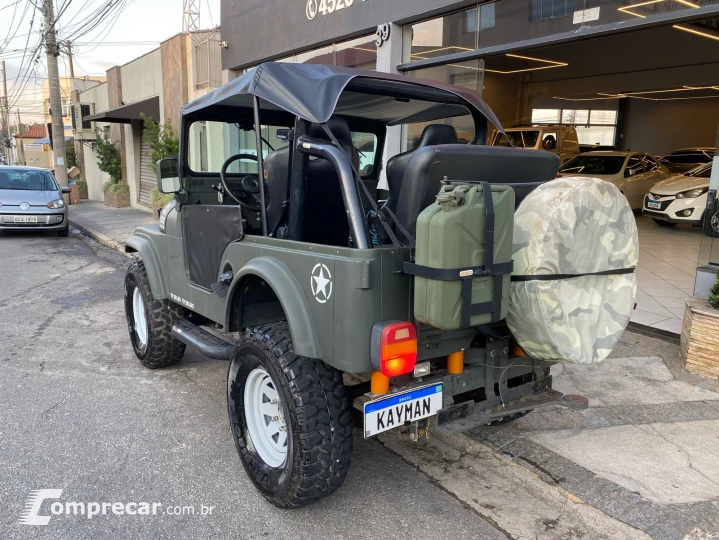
150,255
283,282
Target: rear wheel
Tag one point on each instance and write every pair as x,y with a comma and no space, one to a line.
663,223
150,321
290,418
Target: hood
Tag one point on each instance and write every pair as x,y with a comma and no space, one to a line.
678,183
15,197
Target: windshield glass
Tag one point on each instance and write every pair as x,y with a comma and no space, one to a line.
705,171
27,180
585,164
688,157
520,139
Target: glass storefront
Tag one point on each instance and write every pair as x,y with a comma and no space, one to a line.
360,53
500,23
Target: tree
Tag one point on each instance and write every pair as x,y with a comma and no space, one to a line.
161,139
110,162
163,144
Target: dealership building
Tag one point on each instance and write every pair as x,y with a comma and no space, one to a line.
634,75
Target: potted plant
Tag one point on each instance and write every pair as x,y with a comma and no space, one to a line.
82,188
117,192
159,201
714,294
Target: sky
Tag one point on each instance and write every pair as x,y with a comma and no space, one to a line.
137,27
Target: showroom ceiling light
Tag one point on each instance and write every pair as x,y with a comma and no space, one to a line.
628,9
696,32
551,64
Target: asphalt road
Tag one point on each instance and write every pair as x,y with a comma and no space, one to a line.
78,413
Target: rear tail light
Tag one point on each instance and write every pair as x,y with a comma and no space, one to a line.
394,348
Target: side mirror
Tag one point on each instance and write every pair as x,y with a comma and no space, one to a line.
65,190
168,175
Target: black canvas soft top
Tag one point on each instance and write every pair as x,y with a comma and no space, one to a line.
316,92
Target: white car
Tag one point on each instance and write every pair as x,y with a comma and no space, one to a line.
633,173
681,198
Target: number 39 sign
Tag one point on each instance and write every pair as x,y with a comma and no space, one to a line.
323,7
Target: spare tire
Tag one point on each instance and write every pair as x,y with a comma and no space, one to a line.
573,290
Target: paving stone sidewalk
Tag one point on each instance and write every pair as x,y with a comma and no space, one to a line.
646,452
109,226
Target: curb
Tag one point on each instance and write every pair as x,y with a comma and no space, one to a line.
101,238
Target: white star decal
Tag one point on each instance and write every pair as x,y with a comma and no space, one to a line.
321,283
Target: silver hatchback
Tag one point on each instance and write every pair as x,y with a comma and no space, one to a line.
30,199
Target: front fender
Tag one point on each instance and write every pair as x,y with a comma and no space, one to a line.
290,294
150,255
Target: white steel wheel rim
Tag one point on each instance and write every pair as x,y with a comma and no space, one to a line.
140,316
265,418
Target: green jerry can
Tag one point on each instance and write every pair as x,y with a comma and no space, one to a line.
463,257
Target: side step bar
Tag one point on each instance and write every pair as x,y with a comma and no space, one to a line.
201,340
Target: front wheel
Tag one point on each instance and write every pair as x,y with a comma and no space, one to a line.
150,321
290,418
710,224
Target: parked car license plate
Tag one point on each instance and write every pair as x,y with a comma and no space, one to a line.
656,205
25,219
394,411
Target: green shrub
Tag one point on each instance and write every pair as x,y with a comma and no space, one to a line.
70,157
115,187
714,293
158,199
160,138
81,186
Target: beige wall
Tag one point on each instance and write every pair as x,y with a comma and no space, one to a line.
174,78
142,79
94,177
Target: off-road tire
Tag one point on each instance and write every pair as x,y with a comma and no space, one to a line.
64,233
162,349
663,223
316,407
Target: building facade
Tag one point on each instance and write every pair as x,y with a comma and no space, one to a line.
156,85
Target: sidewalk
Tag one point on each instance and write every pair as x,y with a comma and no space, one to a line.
109,226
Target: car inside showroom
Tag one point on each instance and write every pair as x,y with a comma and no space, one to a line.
624,91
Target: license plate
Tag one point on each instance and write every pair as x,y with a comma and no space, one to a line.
656,205
394,411
25,219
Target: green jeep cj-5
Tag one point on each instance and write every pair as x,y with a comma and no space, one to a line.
280,254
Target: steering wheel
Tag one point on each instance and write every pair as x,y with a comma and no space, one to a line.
228,191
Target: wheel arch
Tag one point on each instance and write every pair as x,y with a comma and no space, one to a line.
287,291
151,259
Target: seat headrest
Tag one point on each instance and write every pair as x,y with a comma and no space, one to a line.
340,129
438,134
4,180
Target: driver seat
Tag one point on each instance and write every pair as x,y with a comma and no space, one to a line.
277,174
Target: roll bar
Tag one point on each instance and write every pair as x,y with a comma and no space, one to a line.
326,150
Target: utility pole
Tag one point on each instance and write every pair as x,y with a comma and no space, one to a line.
69,58
6,115
53,74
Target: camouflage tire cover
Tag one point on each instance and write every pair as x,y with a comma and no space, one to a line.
573,226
